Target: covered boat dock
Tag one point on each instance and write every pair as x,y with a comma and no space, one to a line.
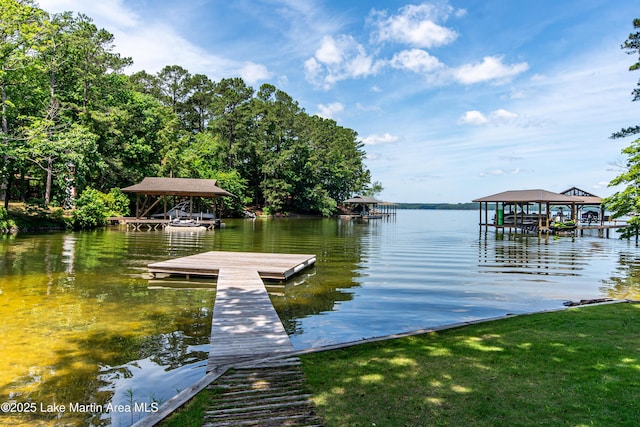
543,211
367,207
152,191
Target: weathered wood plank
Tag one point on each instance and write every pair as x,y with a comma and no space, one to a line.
269,265
245,325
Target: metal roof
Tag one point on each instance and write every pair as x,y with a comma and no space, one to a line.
177,187
523,196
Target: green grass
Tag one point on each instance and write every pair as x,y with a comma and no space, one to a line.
577,367
191,414
32,217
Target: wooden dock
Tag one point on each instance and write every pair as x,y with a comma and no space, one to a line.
151,224
268,265
245,326
246,334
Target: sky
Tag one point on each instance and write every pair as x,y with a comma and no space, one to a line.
453,100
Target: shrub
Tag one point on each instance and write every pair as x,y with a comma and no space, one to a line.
94,207
7,224
117,202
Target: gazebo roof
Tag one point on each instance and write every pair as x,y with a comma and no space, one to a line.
365,200
523,196
177,187
585,197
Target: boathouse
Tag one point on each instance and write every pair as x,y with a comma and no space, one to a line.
529,210
590,207
151,191
544,211
368,207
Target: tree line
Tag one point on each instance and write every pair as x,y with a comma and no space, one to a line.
626,202
71,117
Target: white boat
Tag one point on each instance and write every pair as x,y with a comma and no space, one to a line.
182,210
184,225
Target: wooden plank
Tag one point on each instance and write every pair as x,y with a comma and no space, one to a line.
268,265
245,325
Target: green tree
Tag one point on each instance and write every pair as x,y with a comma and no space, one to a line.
67,105
89,65
146,83
57,152
627,201
232,114
373,190
197,109
174,89
20,31
94,207
334,168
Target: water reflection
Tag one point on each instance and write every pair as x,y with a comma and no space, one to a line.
625,280
81,313
517,253
87,326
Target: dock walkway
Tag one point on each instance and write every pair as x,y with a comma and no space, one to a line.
247,336
245,325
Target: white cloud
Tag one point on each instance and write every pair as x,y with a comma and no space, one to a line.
600,185
329,111
329,52
313,71
111,12
497,117
473,117
154,44
385,138
342,57
338,58
500,172
416,60
415,25
253,73
502,115
490,69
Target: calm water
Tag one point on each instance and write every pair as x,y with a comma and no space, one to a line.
81,324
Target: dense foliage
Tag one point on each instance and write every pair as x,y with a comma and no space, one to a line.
627,201
71,117
7,224
93,207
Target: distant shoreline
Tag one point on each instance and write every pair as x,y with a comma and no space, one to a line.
441,206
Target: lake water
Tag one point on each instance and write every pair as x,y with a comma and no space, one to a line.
83,325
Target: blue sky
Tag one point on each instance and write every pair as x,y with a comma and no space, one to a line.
454,100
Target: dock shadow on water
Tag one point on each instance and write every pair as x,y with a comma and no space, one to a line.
84,326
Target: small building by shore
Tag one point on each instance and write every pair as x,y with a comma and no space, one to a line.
367,207
154,193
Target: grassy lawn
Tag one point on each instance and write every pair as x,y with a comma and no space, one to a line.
577,367
31,217
192,414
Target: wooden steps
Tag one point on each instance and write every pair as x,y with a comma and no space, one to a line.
261,397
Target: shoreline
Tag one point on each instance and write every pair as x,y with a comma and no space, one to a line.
177,402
